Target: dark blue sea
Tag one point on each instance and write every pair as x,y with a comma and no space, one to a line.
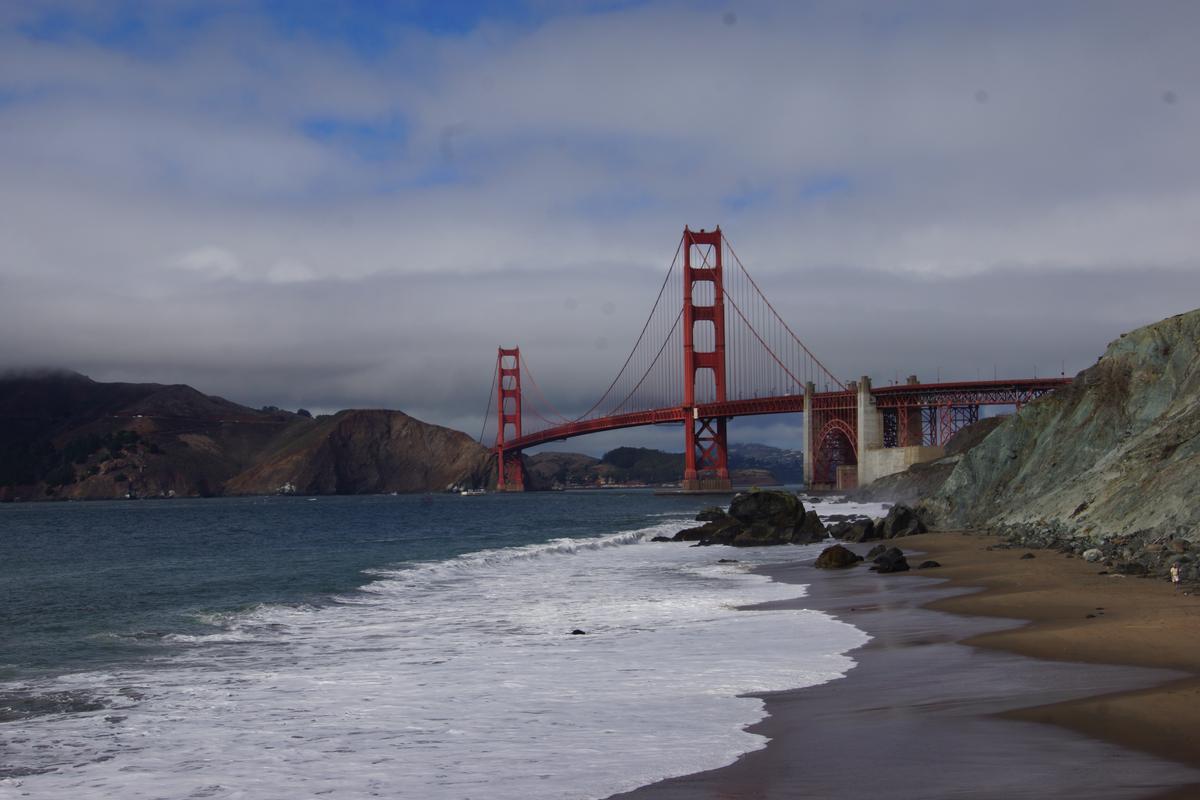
405,645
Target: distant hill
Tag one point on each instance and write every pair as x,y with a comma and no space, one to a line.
355,452
637,465
785,465
63,435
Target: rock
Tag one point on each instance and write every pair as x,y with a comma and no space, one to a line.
1093,555
891,560
900,521
928,564
755,519
1027,556
862,530
689,535
811,530
728,561
1136,411
837,557
759,535
759,518
578,632
779,509
711,514
1178,545
875,551
661,539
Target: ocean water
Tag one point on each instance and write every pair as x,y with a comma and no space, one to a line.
400,647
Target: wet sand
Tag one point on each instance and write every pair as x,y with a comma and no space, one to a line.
1012,691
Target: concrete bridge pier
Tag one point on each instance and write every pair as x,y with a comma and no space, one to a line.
874,460
809,441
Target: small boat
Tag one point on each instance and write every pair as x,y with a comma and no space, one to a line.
472,492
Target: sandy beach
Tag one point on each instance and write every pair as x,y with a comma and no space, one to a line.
993,676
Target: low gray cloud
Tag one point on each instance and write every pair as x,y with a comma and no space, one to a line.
923,188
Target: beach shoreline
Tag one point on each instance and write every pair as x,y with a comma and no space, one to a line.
990,681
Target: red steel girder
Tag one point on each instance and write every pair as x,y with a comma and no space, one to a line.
898,397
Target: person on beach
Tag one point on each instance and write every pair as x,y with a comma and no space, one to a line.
1175,574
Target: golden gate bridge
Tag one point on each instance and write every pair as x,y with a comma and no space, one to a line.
714,348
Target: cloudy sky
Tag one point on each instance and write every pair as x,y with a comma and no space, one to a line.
335,204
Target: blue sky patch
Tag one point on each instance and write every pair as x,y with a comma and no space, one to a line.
369,140
830,184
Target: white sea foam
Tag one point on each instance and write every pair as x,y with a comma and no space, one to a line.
456,679
837,505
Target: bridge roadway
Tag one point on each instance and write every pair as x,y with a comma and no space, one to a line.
912,395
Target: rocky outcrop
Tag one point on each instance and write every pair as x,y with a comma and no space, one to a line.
1105,468
891,560
1114,454
837,557
901,520
757,518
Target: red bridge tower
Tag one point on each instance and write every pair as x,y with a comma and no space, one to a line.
510,474
706,453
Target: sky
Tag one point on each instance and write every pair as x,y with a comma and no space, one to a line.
352,204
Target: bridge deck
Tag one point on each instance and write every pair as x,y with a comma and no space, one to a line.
965,393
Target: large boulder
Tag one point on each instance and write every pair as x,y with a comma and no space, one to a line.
863,530
755,519
837,557
711,514
720,530
900,521
811,530
891,560
780,509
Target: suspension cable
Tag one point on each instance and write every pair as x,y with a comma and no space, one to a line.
666,341
816,360
766,347
642,335
491,394
549,406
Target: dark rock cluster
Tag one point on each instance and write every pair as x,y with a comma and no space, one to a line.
1142,554
890,560
757,518
900,521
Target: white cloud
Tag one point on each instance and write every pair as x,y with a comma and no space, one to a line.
214,262
928,189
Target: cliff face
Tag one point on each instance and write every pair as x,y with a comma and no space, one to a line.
1115,452
63,435
926,478
367,452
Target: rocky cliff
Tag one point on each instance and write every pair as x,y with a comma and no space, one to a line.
63,435
1116,453
368,452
